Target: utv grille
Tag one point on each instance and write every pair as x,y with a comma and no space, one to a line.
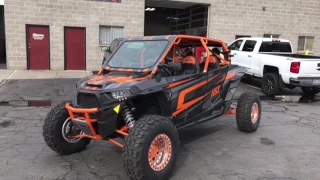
87,101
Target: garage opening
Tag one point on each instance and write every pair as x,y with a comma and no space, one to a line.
3,57
185,18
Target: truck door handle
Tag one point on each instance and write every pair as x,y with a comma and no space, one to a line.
249,56
235,54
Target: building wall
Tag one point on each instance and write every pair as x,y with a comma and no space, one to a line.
289,18
60,13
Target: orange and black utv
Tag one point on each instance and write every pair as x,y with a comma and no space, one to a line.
147,90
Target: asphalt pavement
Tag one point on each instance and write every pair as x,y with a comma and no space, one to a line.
286,145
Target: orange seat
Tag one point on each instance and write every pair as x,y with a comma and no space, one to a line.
179,59
190,65
213,63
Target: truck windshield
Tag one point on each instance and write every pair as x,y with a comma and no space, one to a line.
284,47
137,54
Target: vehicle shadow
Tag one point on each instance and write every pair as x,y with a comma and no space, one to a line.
197,132
193,134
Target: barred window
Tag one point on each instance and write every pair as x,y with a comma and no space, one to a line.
305,43
109,33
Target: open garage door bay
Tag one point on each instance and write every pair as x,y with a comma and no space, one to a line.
175,17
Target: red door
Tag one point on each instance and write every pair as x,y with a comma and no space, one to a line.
75,48
38,47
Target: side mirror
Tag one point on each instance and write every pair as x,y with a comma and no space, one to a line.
105,49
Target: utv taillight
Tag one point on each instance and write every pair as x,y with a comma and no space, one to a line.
295,67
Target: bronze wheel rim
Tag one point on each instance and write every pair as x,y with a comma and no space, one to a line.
254,113
160,152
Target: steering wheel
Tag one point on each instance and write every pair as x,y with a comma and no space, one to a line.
166,68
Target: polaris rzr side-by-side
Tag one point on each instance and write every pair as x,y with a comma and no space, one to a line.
147,90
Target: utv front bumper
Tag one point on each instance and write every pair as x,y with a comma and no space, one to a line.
96,124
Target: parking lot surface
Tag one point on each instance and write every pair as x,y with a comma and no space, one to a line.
286,145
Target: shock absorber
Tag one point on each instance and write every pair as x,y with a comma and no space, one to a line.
127,116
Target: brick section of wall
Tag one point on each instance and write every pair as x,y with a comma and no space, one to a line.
290,18
60,13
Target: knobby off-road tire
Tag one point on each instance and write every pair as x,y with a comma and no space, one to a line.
270,84
52,132
310,91
138,150
248,112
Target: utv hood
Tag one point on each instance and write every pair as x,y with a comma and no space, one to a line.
120,81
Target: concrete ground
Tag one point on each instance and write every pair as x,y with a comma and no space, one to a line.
286,145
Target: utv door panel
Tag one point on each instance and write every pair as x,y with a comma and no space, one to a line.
213,103
186,98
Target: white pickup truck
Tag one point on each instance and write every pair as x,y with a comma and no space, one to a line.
274,62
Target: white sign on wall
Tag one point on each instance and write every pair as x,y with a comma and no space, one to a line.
1,2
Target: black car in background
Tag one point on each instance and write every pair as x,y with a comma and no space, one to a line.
109,50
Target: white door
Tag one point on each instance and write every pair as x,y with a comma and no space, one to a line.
235,51
247,55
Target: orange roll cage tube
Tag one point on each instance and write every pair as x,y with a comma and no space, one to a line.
89,121
176,41
204,41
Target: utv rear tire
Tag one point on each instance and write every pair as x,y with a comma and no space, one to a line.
310,91
248,112
137,155
52,132
270,84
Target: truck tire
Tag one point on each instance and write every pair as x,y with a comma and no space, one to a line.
142,157
270,84
57,120
311,91
248,113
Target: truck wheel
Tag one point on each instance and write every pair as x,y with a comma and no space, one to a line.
151,148
56,127
270,84
248,112
310,90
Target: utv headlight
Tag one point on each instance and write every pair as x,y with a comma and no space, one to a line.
121,95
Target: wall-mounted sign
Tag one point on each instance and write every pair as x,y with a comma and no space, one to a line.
115,1
36,36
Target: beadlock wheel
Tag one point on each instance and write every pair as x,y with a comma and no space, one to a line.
254,113
151,148
58,131
160,152
67,127
248,113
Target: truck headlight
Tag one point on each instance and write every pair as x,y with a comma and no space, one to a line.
121,95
